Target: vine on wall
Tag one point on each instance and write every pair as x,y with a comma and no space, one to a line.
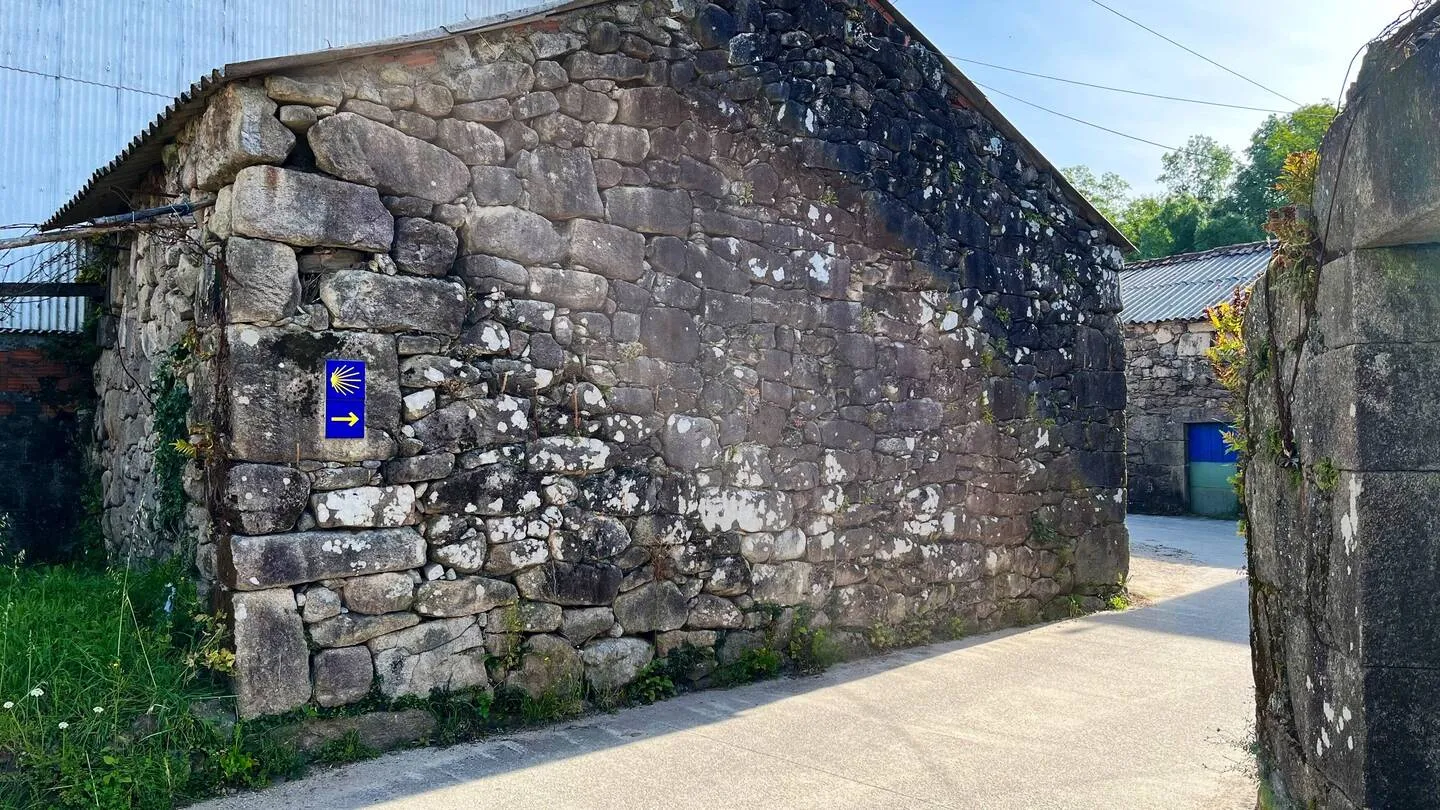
171,397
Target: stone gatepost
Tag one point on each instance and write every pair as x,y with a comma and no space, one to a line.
1344,427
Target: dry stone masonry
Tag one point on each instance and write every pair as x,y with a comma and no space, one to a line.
1171,384
671,312
1344,479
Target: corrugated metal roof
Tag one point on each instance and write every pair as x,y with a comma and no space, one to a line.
108,187
1181,288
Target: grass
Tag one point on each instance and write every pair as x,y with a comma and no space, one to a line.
97,692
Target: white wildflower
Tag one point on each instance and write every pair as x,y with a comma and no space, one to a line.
37,692
64,725
99,709
9,704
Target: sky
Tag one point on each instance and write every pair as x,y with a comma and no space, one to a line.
1299,48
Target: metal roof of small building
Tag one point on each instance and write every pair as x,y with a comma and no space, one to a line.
109,188
1181,288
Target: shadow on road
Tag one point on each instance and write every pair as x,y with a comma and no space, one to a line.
1219,613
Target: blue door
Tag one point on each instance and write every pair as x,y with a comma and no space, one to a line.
1210,464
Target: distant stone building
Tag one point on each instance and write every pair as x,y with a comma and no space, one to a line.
679,321
1176,411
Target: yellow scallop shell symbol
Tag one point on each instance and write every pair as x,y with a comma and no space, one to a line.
345,380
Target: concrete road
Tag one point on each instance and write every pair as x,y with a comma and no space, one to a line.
1150,708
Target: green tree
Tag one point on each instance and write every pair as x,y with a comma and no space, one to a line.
1213,199
1222,228
1201,169
1253,195
1109,192
1162,226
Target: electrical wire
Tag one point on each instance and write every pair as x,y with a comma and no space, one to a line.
1194,52
83,81
1091,123
1130,92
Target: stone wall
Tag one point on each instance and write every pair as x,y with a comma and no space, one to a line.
148,515
1171,385
669,316
1344,562
45,407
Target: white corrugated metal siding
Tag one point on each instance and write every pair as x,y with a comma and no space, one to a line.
137,56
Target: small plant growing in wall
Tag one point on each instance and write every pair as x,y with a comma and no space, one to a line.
1043,533
759,664
1227,354
987,413
1003,315
811,650
170,398
349,748
954,629
1298,176
1327,475
653,684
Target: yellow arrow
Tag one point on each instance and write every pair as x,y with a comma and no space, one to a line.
349,419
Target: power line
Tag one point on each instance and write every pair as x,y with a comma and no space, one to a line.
83,81
1195,52
1091,124
1127,91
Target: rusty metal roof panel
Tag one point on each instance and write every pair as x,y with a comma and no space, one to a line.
1181,288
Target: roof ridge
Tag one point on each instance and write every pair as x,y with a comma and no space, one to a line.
1227,250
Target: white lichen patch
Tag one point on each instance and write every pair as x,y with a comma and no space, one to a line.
746,510
365,507
820,268
833,472
568,454
1350,522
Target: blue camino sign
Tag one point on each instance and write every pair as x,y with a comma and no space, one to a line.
344,399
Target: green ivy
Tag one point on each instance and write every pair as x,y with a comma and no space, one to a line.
171,402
